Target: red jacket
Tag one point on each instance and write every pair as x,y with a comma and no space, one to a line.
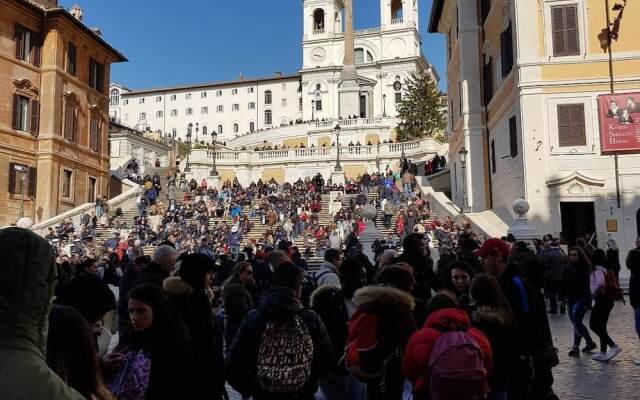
418,350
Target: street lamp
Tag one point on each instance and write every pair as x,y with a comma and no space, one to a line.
400,135
189,127
313,109
214,135
463,162
384,105
197,129
338,166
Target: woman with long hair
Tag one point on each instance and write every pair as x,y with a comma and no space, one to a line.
575,286
154,348
602,307
237,299
493,317
71,353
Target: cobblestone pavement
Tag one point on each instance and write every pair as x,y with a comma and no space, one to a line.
584,378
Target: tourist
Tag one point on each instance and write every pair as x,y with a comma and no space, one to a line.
555,261
415,256
237,299
162,264
602,307
575,286
457,279
280,326
613,257
328,274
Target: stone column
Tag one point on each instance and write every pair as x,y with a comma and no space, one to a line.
348,33
349,89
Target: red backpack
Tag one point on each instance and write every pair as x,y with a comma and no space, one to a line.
456,368
363,356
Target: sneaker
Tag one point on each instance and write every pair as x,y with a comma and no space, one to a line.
613,352
589,348
574,353
636,361
600,356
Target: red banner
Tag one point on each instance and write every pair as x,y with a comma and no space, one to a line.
619,122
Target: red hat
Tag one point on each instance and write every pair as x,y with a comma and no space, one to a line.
493,245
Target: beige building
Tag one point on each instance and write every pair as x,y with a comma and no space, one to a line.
54,76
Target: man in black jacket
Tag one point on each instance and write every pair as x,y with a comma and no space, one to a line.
247,368
527,303
414,254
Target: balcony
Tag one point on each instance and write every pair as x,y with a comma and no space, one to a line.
318,32
396,21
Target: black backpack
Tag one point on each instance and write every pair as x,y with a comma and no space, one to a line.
309,285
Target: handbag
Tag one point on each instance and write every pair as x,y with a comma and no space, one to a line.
132,381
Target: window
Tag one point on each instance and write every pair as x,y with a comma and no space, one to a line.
493,156
234,91
70,121
268,117
219,129
189,111
174,113
27,45
318,105
67,182
220,109
96,75
203,95
205,131
22,176
173,97
283,102
158,99
114,99
513,137
564,29
141,100
71,59
235,128
125,102
487,81
318,20
94,133
358,56
174,132
252,105
218,93
235,107
250,90
506,50
26,114
204,110
398,97
159,114
571,126
91,190
187,96
252,126
267,97
142,116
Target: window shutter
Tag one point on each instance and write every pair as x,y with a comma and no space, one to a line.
36,44
487,82
506,50
15,124
34,108
33,181
571,30
493,156
18,37
92,73
12,178
564,125
558,30
513,137
578,137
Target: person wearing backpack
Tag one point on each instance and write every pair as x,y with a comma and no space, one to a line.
536,344
600,282
378,333
280,349
328,274
448,359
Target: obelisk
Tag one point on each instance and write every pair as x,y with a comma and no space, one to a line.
349,90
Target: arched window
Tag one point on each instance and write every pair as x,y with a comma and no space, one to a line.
252,127
219,129
396,10
268,97
204,130
235,128
268,118
369,56
115,97
174,132
318,20
358,56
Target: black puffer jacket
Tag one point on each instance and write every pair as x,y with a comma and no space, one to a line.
277,304
633,264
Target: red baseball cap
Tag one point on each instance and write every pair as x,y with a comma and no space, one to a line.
493,245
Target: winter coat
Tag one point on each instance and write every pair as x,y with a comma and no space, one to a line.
633,264
418,351
205,334
277,304
152,274
237,304
613,260
532,269
575,283
329,303
329,276
89,295
555,262
423,273
27,282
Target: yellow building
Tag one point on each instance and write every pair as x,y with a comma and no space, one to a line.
54,77
523,79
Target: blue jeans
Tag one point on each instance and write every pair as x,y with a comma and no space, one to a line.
576,315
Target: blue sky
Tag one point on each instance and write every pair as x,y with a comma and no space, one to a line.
170,42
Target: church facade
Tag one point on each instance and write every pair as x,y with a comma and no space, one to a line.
383,58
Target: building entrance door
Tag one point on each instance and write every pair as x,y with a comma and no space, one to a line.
578,219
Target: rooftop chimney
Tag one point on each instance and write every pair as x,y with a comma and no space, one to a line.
76,12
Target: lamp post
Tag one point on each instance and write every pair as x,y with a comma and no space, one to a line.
197,129
313,109
400,135
214,135
189,127
338,166
384,105
463,162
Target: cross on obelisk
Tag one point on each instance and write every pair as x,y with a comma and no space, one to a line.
349,90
